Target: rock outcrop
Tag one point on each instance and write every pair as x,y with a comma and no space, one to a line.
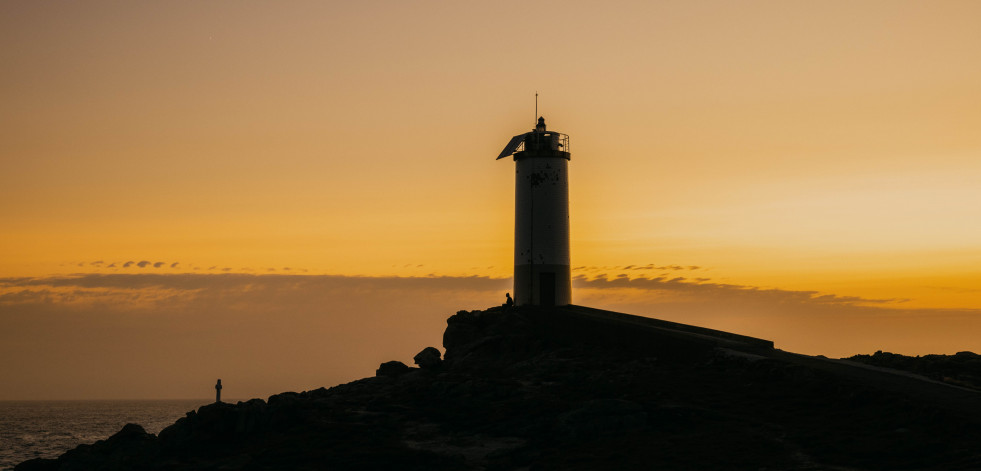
960,369
428,358
392,368
573,388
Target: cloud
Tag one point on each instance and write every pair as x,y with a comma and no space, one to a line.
801,321
701,288
634,267
267,333
97,284
141,264
275,332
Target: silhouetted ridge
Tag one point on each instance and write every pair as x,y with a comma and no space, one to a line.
961,369
576,388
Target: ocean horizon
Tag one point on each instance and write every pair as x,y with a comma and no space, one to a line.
48,428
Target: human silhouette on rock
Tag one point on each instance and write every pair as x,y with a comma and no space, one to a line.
218,391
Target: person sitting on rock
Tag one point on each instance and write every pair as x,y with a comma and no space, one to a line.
510,302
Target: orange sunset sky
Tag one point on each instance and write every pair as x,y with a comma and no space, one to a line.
285,194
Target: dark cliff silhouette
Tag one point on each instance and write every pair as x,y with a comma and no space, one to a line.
576,388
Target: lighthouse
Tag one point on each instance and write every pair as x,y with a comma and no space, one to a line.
542,276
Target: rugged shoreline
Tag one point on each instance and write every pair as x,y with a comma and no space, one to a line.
576,388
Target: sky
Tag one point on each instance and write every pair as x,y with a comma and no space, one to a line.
285,194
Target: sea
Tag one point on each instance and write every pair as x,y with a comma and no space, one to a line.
46,429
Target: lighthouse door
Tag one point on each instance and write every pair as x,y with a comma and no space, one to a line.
546,283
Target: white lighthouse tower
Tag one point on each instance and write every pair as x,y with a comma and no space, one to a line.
542,276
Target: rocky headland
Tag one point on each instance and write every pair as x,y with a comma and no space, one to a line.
579,388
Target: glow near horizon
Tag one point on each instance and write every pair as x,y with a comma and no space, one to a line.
828,147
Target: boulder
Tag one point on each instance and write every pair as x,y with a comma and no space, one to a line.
428,358
392,368
461,329
130,448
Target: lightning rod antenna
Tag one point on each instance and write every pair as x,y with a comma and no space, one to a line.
536,107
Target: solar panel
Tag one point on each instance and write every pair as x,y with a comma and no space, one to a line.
512,145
